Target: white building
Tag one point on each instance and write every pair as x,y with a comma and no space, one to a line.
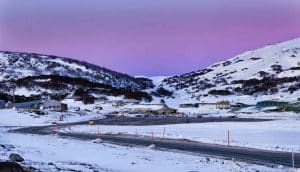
52,105
131,101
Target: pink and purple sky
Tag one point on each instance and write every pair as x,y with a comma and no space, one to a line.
146,37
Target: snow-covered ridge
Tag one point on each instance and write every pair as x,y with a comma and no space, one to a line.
15,65
271,70
278,60
248,64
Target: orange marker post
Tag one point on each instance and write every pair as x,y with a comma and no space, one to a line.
98,133
228,138
152,138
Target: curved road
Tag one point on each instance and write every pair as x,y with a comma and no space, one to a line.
242,153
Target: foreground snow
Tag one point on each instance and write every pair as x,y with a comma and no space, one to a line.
282,135
50,153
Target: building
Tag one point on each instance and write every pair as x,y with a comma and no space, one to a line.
149,109
202,104
88,99
239,105
29,105
294,107
165,110
118,103
54,105
206,107
223,105
269,103
2,104
189,105
131,101
100,100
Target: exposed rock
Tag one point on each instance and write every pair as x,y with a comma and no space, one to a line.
10,167
15,157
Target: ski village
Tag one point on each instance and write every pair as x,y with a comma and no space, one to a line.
241,114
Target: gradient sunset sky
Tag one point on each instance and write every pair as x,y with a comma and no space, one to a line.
146,37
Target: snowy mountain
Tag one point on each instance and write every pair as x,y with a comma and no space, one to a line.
271,70
33,75
267,73
14,65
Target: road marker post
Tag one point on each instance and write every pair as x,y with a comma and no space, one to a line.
56,129
228,138
164,133
152,138
293,158
98,133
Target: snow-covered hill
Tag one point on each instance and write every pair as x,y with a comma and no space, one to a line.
14,65
271,70
31,76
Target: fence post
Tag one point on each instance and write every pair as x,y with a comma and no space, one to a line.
164,133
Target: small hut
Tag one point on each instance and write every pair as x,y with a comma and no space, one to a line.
223,105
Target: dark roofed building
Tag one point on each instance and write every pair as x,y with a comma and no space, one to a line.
29,104
269,103
2,104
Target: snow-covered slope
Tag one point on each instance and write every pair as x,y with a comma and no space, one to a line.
14,65
262,74
266,71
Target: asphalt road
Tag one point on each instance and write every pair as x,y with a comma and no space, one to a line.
256,155
242,153
165,120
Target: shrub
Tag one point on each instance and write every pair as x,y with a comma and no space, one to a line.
219,92
162,92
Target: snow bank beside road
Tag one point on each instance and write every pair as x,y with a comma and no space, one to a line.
281,135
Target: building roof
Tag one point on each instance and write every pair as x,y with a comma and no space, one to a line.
27,104
51,101
223,102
